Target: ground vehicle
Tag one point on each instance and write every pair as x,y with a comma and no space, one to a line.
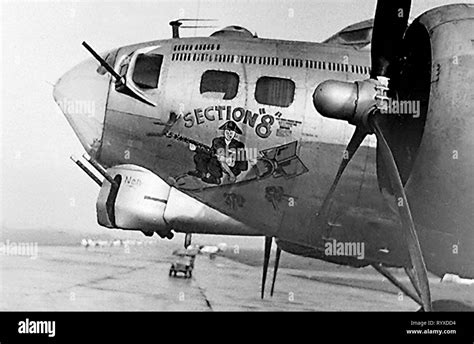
183,262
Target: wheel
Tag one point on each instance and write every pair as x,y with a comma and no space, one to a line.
171,272
190,274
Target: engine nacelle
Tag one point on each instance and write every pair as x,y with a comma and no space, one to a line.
137,201
440,178
429,127
141,200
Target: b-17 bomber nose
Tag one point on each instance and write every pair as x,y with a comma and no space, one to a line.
81,94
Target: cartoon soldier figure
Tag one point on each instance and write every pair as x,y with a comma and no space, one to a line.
227,155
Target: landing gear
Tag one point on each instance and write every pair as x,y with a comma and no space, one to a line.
187,240
266,261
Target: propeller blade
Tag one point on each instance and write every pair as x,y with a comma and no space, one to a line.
356,140
408,226
266,260
390,23
275,269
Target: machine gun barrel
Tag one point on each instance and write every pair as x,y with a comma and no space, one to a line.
86,170
102,62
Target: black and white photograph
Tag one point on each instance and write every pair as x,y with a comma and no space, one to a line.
237,156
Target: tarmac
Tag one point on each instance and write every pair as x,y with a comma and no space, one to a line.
75,278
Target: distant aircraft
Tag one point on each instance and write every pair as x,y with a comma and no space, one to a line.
240,135
210,250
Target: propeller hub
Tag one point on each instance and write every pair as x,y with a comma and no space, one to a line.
352,102
336,99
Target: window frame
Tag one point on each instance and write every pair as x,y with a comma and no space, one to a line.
229,72
285,105
141,85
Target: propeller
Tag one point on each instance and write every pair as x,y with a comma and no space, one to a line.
390,23
414,249
354,143
362,104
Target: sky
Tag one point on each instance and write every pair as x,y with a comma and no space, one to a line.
40,187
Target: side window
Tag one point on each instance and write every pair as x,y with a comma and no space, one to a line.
146,73
216,81
275,91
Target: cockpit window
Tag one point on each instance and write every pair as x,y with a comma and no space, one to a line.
146,73
275,91
216,81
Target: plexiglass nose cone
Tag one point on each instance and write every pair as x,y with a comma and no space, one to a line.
81,94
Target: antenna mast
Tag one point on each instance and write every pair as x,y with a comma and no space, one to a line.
178,23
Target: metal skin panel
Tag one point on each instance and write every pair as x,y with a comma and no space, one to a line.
186,214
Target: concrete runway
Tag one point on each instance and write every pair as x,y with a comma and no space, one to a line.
115,278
